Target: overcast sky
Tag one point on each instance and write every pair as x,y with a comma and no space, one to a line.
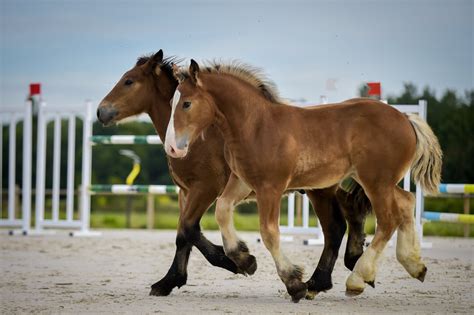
79,49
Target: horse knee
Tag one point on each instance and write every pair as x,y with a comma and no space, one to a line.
339,229
191,233
335,229
270,235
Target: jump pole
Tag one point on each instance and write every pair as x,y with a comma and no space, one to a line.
26,165
86,176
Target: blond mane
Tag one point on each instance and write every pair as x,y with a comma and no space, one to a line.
250,74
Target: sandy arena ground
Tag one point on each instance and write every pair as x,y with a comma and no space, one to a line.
113,274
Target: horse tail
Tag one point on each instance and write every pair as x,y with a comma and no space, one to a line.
426,166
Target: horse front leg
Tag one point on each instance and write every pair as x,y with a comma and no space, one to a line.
192,207
235,248
268,200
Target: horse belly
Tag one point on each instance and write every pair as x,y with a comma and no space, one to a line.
317,174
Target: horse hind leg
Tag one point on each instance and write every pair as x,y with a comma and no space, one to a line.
388,218
234,248
355,207
408,244
334,226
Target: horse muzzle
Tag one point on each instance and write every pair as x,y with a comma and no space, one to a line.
177,148
106,114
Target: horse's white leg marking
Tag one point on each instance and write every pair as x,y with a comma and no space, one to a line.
408,250
234,192
224,218
386,210
269,211
364,270
284,266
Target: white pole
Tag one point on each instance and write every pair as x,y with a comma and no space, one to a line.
406,181
11,167
86,168
419,192
291,210
305,211
27,144
56,166
1,169
40,167
70,167
419,211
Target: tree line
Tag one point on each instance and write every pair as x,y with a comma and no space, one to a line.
451,116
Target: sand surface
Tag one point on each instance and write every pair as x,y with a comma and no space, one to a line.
113,274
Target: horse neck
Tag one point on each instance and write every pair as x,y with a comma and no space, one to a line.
160,109
240,107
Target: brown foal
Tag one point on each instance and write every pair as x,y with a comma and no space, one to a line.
202,175
272,147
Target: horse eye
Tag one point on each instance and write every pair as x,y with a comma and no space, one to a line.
186,105
128,82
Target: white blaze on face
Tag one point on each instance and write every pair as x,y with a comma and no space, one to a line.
170,140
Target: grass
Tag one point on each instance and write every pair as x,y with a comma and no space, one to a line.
249,222
112,215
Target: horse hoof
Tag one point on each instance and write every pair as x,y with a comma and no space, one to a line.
371,283
352,293
251,265
298,291
355,284
422,274
319,282
297,297
159,291
310,295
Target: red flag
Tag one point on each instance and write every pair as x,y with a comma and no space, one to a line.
374,89
35,89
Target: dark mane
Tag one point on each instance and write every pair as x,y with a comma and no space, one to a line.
245,72
166,64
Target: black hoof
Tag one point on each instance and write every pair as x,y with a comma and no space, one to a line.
422,274
167,284
371,283
157,290
295,287
250,265
320,281
297,292
246,263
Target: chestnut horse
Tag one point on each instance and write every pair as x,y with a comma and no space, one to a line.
148,88
272,147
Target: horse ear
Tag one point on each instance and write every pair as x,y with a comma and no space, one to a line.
176,74
155,62
194,70
158,57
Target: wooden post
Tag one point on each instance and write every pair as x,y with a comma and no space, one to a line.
17,202
299,207
466,211
79,202
128,213
150,212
